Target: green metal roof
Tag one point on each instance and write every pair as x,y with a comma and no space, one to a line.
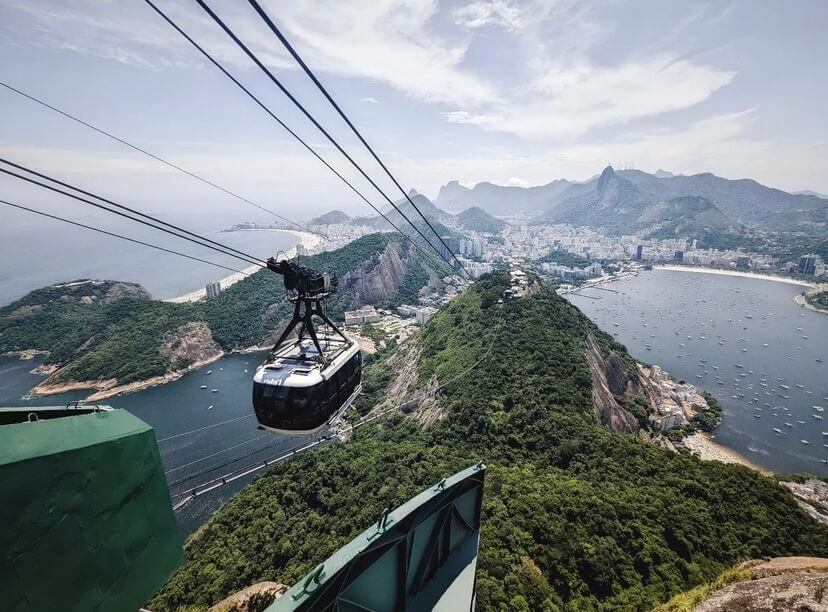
87,523
420,556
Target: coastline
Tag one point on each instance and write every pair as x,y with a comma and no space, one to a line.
307,240
767,277
801,301
705,448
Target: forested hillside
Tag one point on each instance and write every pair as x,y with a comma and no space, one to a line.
105,330
575,517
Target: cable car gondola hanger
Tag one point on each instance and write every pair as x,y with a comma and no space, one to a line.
304,385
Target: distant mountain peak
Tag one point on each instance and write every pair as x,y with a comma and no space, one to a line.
412,193
606,176
663,174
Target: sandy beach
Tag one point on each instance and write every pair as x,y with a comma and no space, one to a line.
702,445
767,277
306,239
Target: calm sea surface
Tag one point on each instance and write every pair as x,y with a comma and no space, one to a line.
182,406
30,262
745,341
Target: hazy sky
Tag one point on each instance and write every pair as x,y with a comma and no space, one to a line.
510,92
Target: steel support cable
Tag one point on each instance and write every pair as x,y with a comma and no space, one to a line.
295,136
232,476
311,118
218,466
96,229
192,431
266,18
246,258
152,155
211,455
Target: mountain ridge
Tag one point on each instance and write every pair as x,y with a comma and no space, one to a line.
574,517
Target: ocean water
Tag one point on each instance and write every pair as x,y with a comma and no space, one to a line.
745,341
30,260
180,407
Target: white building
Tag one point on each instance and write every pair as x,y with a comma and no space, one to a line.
423,315
213,290
366,314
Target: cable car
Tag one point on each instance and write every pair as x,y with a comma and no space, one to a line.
305,384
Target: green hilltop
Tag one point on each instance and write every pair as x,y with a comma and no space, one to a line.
98,330
575,517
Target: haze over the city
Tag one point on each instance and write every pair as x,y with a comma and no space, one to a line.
515,93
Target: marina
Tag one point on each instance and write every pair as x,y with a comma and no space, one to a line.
742,339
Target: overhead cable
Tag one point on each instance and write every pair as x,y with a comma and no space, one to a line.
293,134
266,18
199,240
311,118
113,234
153,156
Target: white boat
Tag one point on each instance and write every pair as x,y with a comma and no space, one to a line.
210,407
214,391
804,441
817,417
777,430
209,372
203,386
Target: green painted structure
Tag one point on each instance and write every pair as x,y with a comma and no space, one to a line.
86,522
420,557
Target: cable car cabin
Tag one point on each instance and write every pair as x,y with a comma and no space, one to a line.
294,393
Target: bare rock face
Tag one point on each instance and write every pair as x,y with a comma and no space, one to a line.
188,344
375,281
24,312
781,584
254,598
122,291
608,380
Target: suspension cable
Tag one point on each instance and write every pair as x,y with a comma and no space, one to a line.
312,119
153,156
192,431
246,258
293,134
102,231
191,463
266,18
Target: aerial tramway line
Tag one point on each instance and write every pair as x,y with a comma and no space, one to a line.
304,385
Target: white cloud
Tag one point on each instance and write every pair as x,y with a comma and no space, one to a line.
390,41
370,100
567,102
490,12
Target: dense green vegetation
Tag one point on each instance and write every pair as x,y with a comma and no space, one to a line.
574,517
818,300
120,339
564,258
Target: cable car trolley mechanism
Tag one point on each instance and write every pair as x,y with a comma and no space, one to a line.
305,384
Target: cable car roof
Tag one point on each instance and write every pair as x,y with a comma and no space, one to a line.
297,364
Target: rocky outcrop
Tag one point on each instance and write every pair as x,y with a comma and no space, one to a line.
783,584
254,598
190,343
378,279
609,380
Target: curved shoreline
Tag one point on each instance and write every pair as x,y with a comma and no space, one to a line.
754,275
309,241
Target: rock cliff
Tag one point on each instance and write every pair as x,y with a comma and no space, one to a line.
378,279
610,381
